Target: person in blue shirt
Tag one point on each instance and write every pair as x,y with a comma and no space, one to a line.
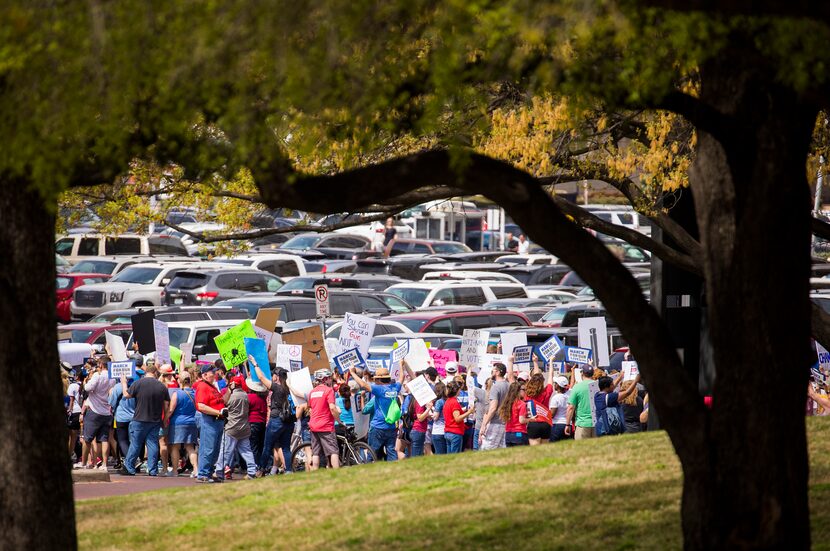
384,391
124,409
344,402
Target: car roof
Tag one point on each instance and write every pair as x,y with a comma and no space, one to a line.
267,297
96,325
83,274
197,324
425,314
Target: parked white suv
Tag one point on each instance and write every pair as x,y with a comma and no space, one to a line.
455,293
76,247
280,265
464,275
136,285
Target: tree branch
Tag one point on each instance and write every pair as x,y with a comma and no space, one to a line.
702,115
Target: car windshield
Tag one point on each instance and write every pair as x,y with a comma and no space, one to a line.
301,242
413,324
61,261
299,284
178,335
81,335
523,277
93,267
587,293
111,317
137,274
451,248
251,307
63,282
413,295
555,315
396,304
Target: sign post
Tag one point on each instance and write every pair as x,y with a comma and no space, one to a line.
321,301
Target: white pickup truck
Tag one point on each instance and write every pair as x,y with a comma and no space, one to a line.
137,285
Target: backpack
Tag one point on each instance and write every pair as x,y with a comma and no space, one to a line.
394,412
612,421
288,414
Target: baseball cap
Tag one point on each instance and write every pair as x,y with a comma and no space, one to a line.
207,368
239,381
451,367
561,381
523,375
587,371
322,374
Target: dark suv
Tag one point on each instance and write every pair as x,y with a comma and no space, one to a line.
358,300
456,321
208,287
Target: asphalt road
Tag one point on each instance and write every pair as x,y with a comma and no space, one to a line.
124,485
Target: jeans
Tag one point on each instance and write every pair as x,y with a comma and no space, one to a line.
277,435
469,436
257,440
380,438
418,439
439,442
476,434
229,447
454,442
557,432
210,439
141,433
122,435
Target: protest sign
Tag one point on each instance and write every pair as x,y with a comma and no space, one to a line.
263,334
823,357
374,364
630,371
117,369
116,348
187,353
295,365
418,355
176,357
266,318
395,370
593,390
400,352
420,390
509,341
143,331
276,340
357,332
577,355
300,383
550,348
473,347
589,326
314,354
286,353
348,359
441,357
162,340
259,351
361,421
523,354
483,374
231,343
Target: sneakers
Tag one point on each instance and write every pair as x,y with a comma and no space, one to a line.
89,467
102,467
124,472
248,477
194,475
216,479
78,465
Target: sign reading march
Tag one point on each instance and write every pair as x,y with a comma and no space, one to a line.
577,355
357,332
119,369
523,354
348,359
550,348
231,343
473,347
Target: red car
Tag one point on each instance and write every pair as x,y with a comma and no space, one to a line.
93,333
66,283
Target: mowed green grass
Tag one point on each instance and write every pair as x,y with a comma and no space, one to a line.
612,493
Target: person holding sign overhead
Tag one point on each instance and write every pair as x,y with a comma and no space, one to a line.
382,430
539,390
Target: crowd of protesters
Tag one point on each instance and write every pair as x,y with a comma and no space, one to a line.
210,423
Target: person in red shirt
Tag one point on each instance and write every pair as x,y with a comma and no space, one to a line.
324,413
210,404
420,426
257,415
539,391
513,411
454,416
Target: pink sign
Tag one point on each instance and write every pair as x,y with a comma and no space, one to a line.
441,357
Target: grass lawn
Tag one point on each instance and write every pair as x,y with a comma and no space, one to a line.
613,493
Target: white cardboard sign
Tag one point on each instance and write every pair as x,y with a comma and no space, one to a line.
421,391
400,352
593,390
162,338
116,347
630,371
550,348
473,347
300,382
586,326
286,353
509,341
418,355
356,332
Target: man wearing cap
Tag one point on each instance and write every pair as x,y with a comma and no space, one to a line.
324,412
579,405
383,434
210,404
491,435
452,369
152,405
237,429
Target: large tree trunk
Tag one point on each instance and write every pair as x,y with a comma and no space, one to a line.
35,482
748,489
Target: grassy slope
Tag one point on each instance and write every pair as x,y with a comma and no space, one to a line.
617,493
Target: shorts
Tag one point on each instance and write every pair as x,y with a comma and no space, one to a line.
324,442
182,434
403,435
97,427
74,421
493,437
536,429
516,439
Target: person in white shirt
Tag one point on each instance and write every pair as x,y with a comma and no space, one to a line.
96,416
524,244
559,408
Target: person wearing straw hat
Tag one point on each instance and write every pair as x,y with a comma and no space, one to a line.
382,430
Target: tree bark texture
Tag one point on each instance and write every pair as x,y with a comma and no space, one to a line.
35,481
748,487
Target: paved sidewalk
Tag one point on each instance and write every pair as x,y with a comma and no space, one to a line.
123,485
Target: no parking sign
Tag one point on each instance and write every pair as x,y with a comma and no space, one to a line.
321,300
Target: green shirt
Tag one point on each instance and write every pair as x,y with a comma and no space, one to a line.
580,399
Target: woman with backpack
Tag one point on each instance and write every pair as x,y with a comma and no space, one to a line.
610,416
281,424
513,411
